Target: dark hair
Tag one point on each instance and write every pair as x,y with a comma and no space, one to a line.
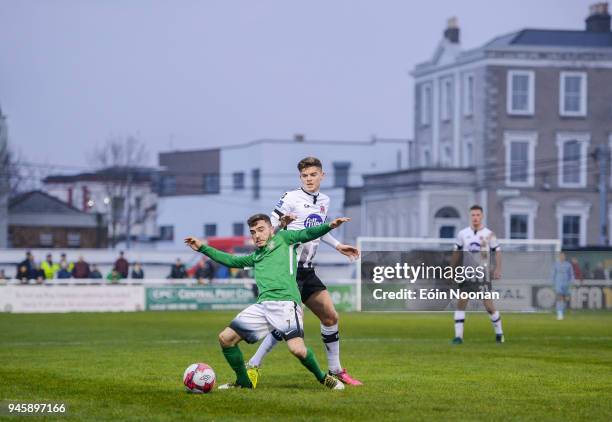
476,207
309,162
258,217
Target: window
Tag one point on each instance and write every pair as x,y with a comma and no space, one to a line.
211,183
572,217
167,185
166,233
74,239
520,152
519,217
426,158
468,95
425,111
573,149
518,226
238,229
210,230
447,232
255,174
573,94
468,159
118,205
570,231
520,92
238,180
341,173
447,155
446,99
45,239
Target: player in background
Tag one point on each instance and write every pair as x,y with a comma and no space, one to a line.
278,305
562,276
474,244
300,208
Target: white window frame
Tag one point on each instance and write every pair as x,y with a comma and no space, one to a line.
530,94
521,205
583,91
573,207
584,138
468,94
426,104
532,139
446,96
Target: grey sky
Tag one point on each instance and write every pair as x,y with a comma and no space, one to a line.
198,74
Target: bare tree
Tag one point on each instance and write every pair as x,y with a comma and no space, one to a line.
117,161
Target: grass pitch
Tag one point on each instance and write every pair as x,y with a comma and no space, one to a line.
128,366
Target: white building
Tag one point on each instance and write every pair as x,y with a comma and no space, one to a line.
213,192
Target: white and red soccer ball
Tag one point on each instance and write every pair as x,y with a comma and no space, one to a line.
199,378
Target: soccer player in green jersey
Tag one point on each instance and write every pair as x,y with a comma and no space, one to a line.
278,305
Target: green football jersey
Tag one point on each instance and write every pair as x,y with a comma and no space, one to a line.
275,263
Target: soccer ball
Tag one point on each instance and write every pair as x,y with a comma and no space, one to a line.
199,378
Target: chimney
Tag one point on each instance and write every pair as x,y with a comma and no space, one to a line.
298,137
599,18
451,33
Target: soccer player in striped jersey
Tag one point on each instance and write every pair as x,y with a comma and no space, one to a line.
476,242
278,304
296,210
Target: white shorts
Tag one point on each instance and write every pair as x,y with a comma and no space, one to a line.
256,321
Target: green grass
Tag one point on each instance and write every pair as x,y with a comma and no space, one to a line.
128,366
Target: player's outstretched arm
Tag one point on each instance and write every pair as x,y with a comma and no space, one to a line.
312,233
216,255
347,250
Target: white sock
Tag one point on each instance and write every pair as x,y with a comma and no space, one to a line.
496,321
331,340
265,347
459,320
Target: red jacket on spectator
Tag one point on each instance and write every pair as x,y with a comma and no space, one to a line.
81,269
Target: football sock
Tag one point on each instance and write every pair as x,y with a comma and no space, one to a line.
459,320
560,307
496,321
310,362
265,347
234,357
331,340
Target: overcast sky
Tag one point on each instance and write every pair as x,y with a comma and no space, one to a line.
200,74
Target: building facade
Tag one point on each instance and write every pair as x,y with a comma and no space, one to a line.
212,192
530,115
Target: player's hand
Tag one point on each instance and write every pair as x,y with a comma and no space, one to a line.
285,220
347,250
338,222
194,243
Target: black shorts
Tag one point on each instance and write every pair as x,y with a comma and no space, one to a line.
476,286
308,283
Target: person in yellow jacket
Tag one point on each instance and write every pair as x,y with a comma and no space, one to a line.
49,267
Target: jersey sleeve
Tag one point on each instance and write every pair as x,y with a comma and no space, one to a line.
306,235
458,242
493,243
330,240
229,260
282,207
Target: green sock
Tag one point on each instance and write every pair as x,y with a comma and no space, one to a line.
310,362
234,357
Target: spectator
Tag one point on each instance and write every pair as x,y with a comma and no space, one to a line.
113,276
586,271
577,270
137,271
3,278
38,274
95,273
28,263
64,273
205,271
178,270
49,267
63,260
599,274
81,269
23,273
121,265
